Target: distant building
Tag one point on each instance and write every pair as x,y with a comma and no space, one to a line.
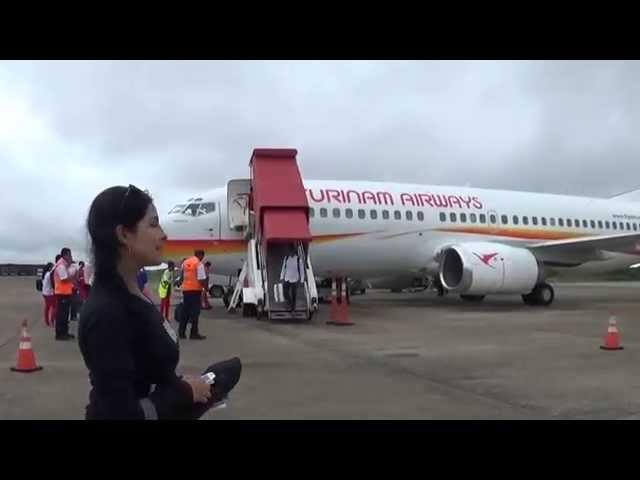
22,270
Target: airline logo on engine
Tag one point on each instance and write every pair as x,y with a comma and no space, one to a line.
486,258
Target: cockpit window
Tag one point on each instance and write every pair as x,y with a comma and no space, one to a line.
197,209
177,209
194,209
206,208
191,210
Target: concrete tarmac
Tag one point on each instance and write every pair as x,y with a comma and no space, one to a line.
408,356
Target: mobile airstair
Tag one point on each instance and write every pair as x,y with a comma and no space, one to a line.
271,208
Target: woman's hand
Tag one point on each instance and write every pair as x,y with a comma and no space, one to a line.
201,390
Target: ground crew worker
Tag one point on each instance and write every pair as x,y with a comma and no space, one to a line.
292,273
194,278
165,289
63,288
205,291
53,286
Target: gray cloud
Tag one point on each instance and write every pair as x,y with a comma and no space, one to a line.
79,127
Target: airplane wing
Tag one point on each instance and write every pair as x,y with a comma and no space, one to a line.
623,243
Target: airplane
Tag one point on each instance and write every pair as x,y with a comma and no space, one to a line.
472,241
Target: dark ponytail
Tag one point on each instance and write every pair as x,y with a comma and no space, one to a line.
46,269
112,207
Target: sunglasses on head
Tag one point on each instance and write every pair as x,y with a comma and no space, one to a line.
126,195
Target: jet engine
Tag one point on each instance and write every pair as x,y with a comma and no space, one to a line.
479,268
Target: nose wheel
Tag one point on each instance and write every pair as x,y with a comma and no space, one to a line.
542,295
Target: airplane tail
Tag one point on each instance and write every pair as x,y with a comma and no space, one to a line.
629,196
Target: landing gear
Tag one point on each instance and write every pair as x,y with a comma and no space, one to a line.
543,295
472,298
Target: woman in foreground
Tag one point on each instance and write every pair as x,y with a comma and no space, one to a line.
130,350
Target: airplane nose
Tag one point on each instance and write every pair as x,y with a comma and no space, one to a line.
169,229
166,225
180,236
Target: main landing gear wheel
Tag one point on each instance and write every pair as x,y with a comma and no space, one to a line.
472,298
542,295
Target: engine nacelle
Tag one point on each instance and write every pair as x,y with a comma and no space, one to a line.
478,268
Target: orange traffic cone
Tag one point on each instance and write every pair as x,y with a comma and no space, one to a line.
26,362
612,340
338,310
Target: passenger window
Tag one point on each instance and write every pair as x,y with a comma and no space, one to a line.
544,221
323,212
336,213
452,216
615,225
385,214
348,213
362,214
504,219
312,212
525,220
397,215
600,226
409,215
421,216
463,217
607,224
534,220
593,225
561,222
483,218
569,222
621,226
473,218
443,217
552,222
628,226
635,227
515,220
577,223
374,214
585,224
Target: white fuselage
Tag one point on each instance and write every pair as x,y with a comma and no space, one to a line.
374,229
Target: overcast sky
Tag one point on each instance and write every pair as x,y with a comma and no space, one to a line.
70,129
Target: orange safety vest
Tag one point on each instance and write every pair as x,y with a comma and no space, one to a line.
190,269
62,287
